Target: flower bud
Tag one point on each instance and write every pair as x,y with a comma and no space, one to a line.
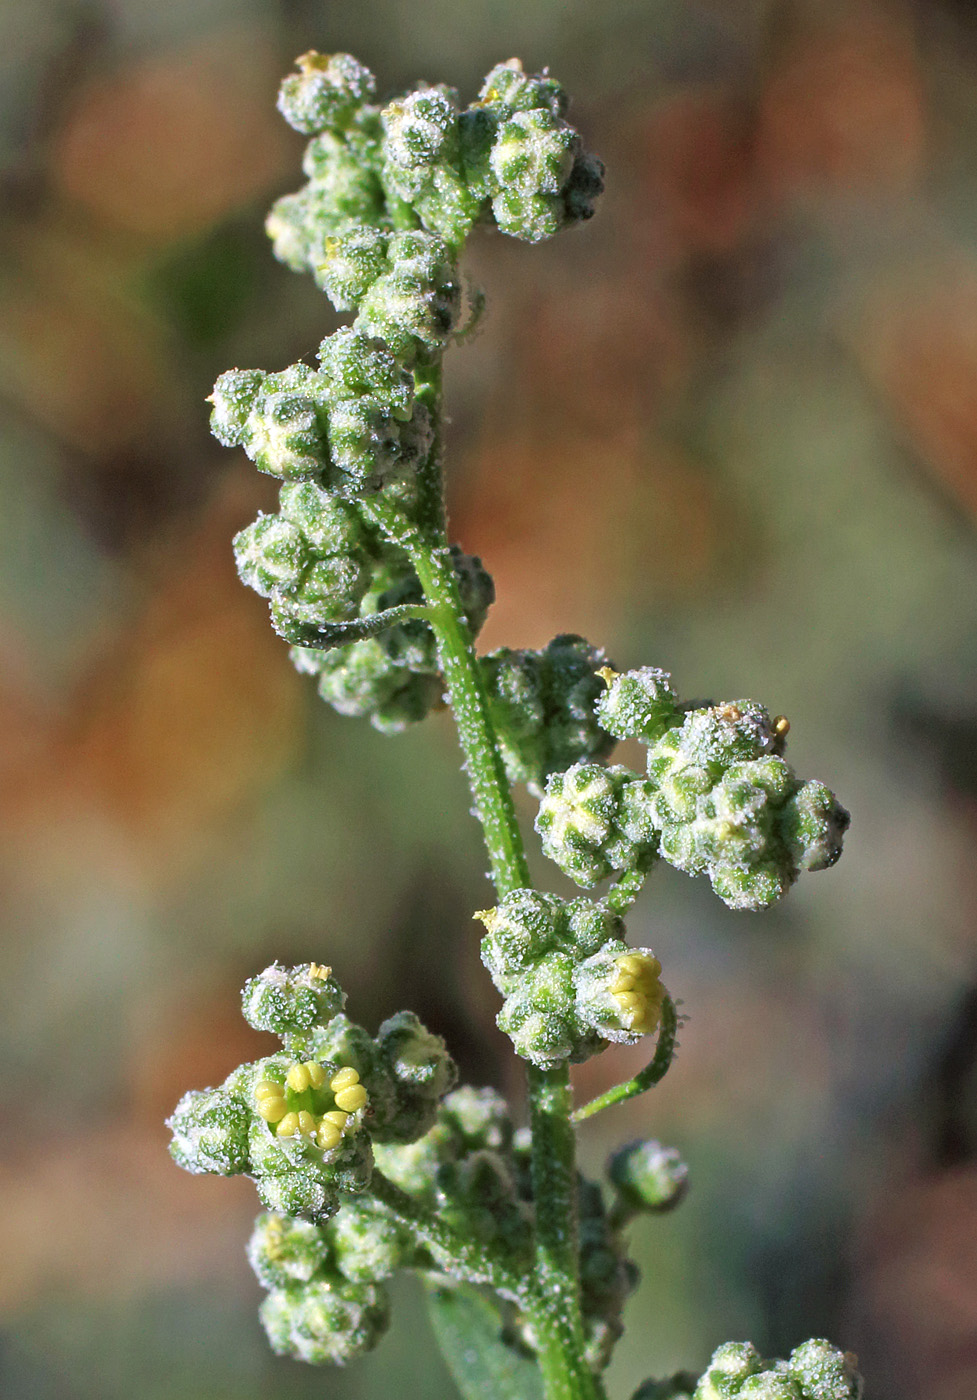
507,88
367,1243
271,554
542,708
825,1373
637,704
596,820
283,1250
648,1176
357,367
233,398
286,1000
352,264
415,303
210,1133
361,680
325,1321
325,92
421,1071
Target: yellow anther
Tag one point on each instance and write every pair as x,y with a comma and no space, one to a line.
289,1125
632,964
607,674
272,1109
343,1078
337,1116
319,971
317,1075
781,725
486,917
352,1098
632,1002
266,1089
307,1123
624,983
298,1079
312,61
329,1135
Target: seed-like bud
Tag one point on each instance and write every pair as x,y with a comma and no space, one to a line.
648,1176
325,92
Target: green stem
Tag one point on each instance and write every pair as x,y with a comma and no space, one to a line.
554,1302
453,1253
648,1077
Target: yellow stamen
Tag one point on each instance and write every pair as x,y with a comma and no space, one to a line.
781,725
298,1078
271,1110
343,1078
289,1125
607,675
486,916
329,1136
317,1075
307,1123
337,1116
352,1098
624,983
631,1001
266,1089
319,971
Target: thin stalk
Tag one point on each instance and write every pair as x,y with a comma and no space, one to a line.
447,1246
554,1303
647,1078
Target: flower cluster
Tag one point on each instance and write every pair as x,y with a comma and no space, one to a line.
542,708
814,1371
570,982
301,1123
718,800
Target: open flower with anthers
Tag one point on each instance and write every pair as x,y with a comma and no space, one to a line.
313,1103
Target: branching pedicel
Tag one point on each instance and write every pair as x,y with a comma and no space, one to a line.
366,1156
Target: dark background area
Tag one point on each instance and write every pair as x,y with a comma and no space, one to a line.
728,428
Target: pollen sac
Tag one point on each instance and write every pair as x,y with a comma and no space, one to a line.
542,708
595,821
326,92
814,1371
570,982
637,704
728,806
648,1177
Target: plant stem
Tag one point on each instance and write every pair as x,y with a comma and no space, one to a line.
554,1303
452,1252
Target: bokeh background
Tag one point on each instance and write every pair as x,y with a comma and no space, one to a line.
729,428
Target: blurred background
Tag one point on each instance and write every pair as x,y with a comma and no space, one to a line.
728,428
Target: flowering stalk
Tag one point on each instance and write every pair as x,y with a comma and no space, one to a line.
366,1156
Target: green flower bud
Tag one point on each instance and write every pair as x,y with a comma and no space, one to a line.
507,89
728,806
284,1251
210,1133
542,708
325,1321
353,263
325,92
825,1373
367,1243
344,194
570,983
233,398
729,1367
414,305
362,681
358,367
648,1176
271,554
637,704
531,160
286,1000
770,1385
330,525
423,161
421,1071
596,820
282,433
